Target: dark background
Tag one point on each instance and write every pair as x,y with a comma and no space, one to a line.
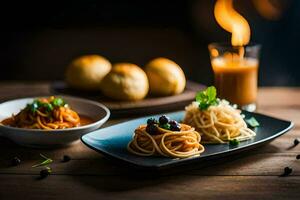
39,39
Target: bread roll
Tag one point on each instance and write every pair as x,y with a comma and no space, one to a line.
165,77
125,81
87,72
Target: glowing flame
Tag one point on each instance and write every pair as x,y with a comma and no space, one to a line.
230,20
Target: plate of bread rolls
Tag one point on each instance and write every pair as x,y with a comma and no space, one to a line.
126,88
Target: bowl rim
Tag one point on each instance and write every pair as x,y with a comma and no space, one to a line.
87,101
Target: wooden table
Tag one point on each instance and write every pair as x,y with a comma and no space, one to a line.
254,175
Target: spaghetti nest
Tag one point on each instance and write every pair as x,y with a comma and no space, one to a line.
45,113
177,144
218,123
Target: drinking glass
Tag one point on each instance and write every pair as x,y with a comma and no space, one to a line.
236,72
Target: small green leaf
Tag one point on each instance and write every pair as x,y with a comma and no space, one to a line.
200,96
234,142
165,126
49,169
211,93
57,102
33,106
203,106
48,107
45,162
252,122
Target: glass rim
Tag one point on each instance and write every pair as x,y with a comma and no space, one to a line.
229,45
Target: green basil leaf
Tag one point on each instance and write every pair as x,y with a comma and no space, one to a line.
207,98
211,93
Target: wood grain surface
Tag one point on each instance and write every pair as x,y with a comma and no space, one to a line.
89,175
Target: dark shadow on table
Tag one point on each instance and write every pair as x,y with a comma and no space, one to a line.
124,178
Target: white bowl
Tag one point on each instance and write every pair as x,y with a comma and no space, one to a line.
50,138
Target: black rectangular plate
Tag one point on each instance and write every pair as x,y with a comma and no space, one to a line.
112,141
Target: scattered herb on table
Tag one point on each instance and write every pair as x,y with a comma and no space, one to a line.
207,98
46,161
234,142
252,122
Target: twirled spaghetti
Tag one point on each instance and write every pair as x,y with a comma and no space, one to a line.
218,123
176,144
45,113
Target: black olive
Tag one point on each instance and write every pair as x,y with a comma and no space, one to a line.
175,127
298,157
15,161
173,122
296,141
66,158
44,173
152,129
152,121
164,120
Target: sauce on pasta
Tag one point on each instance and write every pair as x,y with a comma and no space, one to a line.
169,139
85,120
47,113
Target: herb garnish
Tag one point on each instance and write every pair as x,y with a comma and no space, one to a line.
45,162
33,106
58,102
207,98
234,142
252,122
165,126
48,106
